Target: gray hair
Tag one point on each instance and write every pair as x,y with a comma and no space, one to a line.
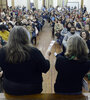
77,47
18,45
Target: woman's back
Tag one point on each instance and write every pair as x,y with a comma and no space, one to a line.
27,72
70,75
22,64
72,67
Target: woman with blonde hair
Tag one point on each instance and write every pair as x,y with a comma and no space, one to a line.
22,64
72,67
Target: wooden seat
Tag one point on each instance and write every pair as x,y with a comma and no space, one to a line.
47,97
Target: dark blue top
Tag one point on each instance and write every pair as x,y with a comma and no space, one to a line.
70,75
26,77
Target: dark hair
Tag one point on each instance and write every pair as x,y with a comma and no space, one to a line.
67,25
87,34
2,27
11,24
18,23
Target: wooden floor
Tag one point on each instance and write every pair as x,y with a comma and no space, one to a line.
44,39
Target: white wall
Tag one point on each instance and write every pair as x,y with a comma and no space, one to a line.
87,4
76,1
21,3
18,3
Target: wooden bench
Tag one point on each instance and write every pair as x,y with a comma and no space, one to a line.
85,96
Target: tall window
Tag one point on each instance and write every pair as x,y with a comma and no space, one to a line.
31,1
55,3
9,3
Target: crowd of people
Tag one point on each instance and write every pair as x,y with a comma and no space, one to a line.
66,22
32,20
22,65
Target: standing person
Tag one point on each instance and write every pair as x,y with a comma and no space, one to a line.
72,67
22,64
4,33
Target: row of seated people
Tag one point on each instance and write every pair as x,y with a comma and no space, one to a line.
33,21
67,23
23,65
62,21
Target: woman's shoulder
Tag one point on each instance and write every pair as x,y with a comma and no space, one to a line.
35,50
62,58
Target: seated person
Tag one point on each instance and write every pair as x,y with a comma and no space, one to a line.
85,36
72,33
72,67
66,29
10,26
22,64
4,33
87,28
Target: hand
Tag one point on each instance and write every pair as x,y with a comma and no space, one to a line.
47,55
1,73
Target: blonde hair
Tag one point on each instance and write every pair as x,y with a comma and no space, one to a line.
18,46
77,47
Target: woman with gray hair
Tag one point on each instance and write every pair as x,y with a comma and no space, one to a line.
22,64
72,67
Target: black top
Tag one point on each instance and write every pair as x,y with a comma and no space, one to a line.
24,78
88,44
70,75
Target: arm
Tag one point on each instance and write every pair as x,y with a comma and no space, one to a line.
44,64
59,63
65,41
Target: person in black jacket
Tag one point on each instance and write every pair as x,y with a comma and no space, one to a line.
22,64
72,67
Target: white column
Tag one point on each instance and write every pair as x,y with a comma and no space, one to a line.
40,4
28,4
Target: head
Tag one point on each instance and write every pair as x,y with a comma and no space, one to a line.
18,35
17,45
85,35
69,25
10,25
77,47
3,28
87,27
72,30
